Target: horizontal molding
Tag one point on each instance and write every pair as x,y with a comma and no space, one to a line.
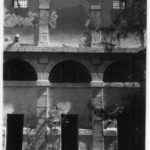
93,84
66,49
116,84
85,132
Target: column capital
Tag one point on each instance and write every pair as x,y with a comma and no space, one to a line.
43,76
97,76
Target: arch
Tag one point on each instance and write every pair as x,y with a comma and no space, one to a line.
70,71
121,71
55,61
18,70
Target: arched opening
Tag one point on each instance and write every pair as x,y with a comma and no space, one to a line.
131,119
70,71
121,71
18,70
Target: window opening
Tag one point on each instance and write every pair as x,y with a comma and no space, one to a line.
118,4
20,3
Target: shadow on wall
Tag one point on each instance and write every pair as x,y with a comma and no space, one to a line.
72,16
76,101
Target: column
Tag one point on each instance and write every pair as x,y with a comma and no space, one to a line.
42,72
41,114
97,123
43,103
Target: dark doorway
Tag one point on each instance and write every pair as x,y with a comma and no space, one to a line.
18,70
70,71
14,131
131,125
69,134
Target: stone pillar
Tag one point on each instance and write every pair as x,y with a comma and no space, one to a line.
97,123
44,9
43,108
43,103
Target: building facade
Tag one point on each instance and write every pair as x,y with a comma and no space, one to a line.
53,62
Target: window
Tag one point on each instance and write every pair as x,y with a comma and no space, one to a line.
20,3
118,4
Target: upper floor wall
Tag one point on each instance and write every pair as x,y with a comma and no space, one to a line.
19,19
67,22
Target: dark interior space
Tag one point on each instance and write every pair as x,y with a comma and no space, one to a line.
121,71
69,128
131,125
14,131
18,70
69,71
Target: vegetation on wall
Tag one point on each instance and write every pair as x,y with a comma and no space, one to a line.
12,19
132,20
125,21
113,111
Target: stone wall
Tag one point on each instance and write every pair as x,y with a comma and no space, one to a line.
68,18
30,97
26,100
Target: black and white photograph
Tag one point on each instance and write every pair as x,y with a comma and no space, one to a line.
74,74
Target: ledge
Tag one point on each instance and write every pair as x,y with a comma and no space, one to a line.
67,49
115,84
82,132
98,84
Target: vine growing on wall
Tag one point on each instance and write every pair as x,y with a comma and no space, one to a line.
114,111
16,20
53,19
132,20
13,20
